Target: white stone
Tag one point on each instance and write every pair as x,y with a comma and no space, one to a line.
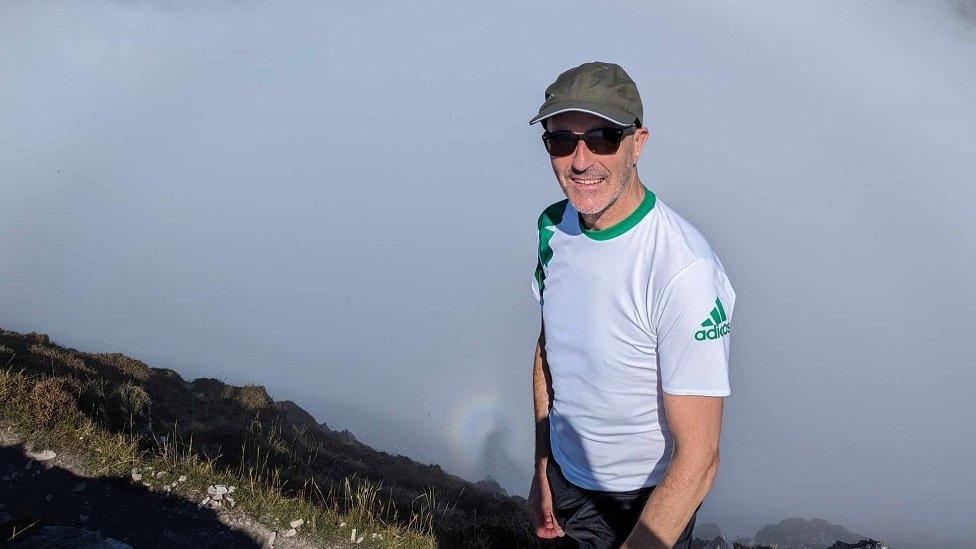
297,523
360,540
352,536
136,477
217,497
231,501
341,524
289,533
182,478
43,455
230,489
205,501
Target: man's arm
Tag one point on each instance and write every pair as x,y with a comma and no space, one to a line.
542,391
694,376
696,423
541,511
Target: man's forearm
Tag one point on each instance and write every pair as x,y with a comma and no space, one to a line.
674,500
542,395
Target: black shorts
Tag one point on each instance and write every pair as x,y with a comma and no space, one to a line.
594,519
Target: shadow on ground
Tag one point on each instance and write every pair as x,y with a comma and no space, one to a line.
115,508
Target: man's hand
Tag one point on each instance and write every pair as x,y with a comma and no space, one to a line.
541,512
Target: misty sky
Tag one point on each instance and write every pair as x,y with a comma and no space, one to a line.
337,200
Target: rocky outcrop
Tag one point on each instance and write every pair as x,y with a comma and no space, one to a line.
296,415
347,435
491,485
707,530
799,533
863,544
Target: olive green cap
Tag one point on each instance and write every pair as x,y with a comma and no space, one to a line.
602,89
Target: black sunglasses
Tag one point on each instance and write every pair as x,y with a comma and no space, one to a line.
599,140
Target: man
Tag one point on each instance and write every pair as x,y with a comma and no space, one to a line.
632,359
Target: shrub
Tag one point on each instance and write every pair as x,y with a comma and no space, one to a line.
51,399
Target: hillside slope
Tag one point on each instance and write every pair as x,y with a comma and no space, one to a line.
243,429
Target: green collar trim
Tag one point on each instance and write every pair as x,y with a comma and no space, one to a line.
622,226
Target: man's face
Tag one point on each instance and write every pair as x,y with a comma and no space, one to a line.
592,181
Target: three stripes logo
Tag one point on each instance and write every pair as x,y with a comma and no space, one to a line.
716,325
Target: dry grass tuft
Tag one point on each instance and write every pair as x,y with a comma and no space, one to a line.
51,400
61,358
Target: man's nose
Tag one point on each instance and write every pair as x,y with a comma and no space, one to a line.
582,157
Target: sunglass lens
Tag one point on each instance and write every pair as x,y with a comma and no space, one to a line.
561,144
603,142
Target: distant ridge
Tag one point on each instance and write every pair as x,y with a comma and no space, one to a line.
799,533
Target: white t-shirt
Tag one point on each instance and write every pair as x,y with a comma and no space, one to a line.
629,311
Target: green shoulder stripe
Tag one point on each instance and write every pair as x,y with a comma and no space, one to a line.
550,217
553,215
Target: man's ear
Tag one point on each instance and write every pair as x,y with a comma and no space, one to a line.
640,139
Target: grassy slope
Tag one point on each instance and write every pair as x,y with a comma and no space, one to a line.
120,414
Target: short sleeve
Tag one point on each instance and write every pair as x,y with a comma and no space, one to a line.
535,288
538,275
694,327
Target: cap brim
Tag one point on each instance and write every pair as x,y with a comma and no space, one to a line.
606,112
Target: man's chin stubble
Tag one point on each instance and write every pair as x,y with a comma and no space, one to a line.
601,208
589,211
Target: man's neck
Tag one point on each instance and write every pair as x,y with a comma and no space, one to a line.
625,204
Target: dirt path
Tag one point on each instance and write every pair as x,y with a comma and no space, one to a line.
35,494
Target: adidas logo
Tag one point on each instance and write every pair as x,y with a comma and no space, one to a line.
716,325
